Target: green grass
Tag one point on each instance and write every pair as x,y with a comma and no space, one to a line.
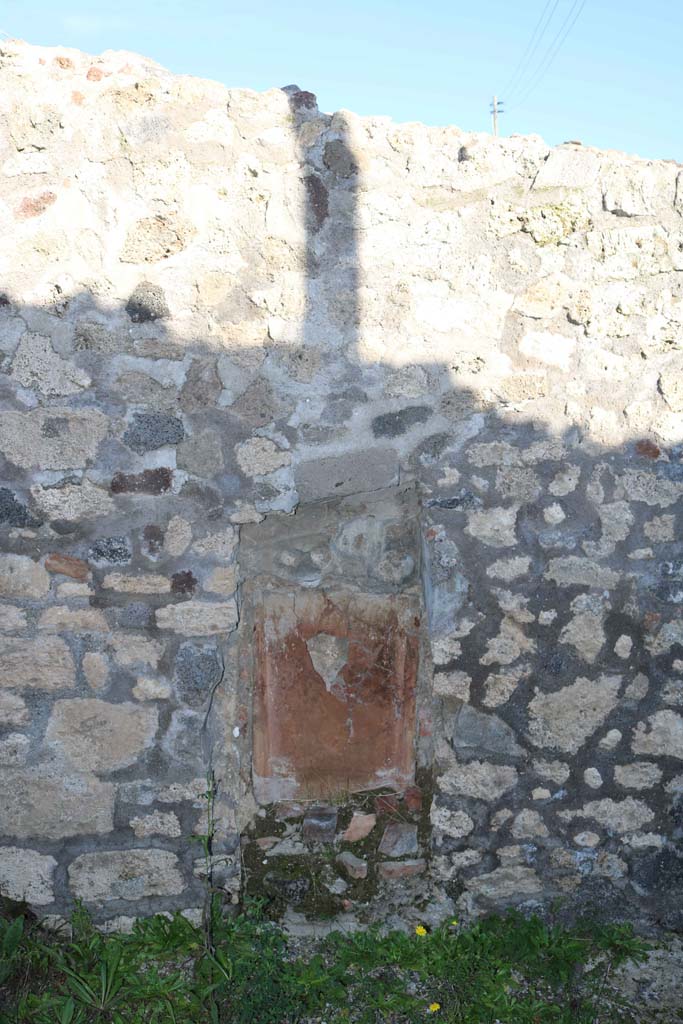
508,969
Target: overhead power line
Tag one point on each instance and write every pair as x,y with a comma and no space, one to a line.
551,53
539,31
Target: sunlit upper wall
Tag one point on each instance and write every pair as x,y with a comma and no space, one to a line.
479,272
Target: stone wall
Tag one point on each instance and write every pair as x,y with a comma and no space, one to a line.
353,445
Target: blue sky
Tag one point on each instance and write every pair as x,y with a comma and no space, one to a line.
615,82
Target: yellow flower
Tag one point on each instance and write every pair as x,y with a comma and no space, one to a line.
434,1007
420,930
454,923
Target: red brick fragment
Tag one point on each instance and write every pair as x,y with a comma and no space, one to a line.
95,74
67,565
266,842
360,826
412,798
391,870
33,206
386,803
648,449
288,809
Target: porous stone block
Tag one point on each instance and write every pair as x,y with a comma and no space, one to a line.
94,735
41,439
150,430
63,619
159,823
107,550
72,502
96,670
37,366
198,618
13,710
661,735
26,875
506,885
147,303
47,802
479,780
14,749
125,875
339,475
260,456
21,577
41,664
454,823
198,669
137,583
563,720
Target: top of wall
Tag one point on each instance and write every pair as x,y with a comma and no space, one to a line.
57,66
348,284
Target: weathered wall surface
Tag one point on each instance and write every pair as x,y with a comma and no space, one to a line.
220,309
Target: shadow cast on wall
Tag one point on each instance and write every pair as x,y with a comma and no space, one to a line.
549,563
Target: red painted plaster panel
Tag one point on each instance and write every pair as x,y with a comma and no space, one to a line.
334,696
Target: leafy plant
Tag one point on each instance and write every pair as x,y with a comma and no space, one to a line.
11,932
513,969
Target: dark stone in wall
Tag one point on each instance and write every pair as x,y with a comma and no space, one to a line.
476,734
135,615
393,424
152,539
197,671
318,205
338,158
202,386
150,481
463,501
320,824
110,549
147,303
13,512
293,890
183,582
300,99
151,430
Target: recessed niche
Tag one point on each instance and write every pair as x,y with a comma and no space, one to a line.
333,607
334,695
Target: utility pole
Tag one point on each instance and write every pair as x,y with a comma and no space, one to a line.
496,109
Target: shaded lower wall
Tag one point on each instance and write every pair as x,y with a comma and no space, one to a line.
341,479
